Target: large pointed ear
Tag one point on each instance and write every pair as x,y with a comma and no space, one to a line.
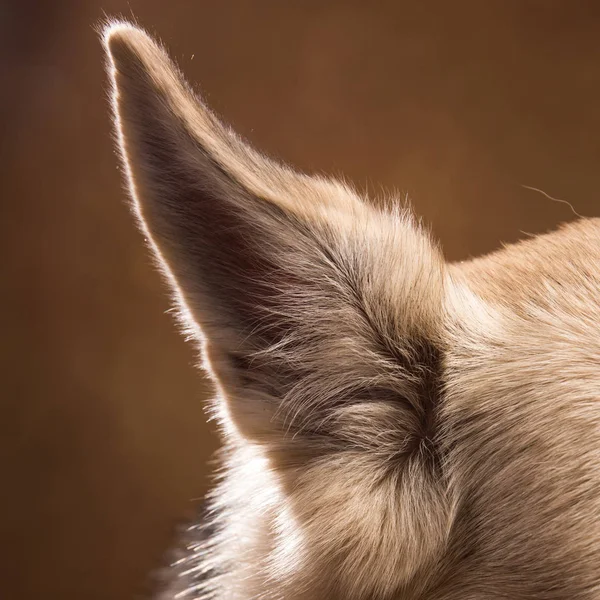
322,320
276,268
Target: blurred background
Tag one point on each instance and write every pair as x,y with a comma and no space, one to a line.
104,445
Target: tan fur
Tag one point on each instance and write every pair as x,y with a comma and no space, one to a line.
395,427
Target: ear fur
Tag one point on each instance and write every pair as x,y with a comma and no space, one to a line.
322,315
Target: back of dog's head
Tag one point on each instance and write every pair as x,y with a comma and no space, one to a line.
396,426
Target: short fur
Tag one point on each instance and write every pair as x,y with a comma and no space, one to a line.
396,427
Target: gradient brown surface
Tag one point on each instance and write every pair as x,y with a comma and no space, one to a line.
103,436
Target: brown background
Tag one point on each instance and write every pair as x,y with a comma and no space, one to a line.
103,438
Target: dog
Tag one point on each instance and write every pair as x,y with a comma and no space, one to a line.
394,426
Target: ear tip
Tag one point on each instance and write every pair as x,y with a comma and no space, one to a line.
124,40
118,31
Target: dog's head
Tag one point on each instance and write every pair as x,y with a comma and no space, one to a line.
416,425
